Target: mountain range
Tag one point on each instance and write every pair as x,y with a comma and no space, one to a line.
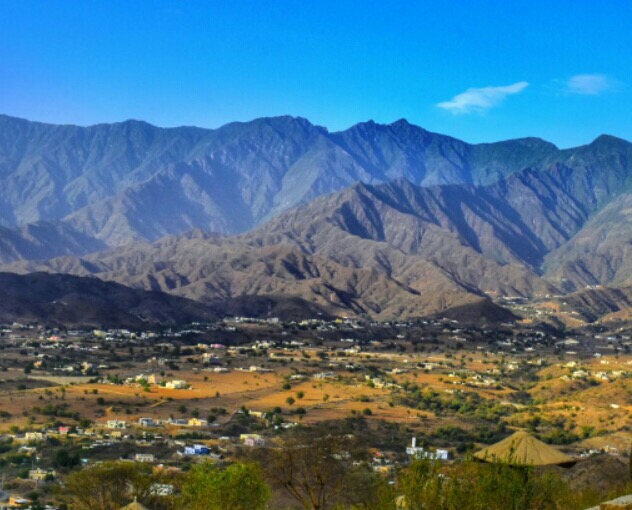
132,181
385,220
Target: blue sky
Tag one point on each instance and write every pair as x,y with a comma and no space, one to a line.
478,70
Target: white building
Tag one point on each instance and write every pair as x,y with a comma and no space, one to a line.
116,424
144,457
176,384
418,452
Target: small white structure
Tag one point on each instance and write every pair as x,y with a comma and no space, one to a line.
418,452
144,457
176,384
116,424
41,474
161,489
413,450
34,436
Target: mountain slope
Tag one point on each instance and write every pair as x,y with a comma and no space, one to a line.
600,253
389,250
44,240
132,181
70,301
594,303
433,223
386,250
49,171
218,270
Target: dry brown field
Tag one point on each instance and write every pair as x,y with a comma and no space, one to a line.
579,404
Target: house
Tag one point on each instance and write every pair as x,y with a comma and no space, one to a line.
161,489
209,356
146,422
243,437
144,457
438,454
417,452
34,436
324,375
197,422
18,502
116,424
254,441
87,366
176,384
255,368
413,450
41,474
197,449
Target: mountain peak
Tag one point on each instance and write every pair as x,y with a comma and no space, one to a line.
133,122
402,122
605,139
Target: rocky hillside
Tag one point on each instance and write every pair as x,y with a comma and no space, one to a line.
448,224
70,301
394,249
132,181
44,240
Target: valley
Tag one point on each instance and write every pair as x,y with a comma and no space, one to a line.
232,386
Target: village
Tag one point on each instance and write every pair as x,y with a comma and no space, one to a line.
215,392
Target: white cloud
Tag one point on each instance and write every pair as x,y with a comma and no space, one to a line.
481,99
589,84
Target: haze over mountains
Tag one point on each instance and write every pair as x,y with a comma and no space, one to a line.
130,180
387,220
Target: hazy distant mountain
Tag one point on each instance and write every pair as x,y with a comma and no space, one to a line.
44,240
128,181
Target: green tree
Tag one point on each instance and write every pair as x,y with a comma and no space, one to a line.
238,487
66,459
427,485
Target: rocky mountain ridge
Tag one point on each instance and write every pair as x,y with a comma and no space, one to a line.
132,181
432,224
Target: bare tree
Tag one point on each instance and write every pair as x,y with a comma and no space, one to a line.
313,469
111,485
